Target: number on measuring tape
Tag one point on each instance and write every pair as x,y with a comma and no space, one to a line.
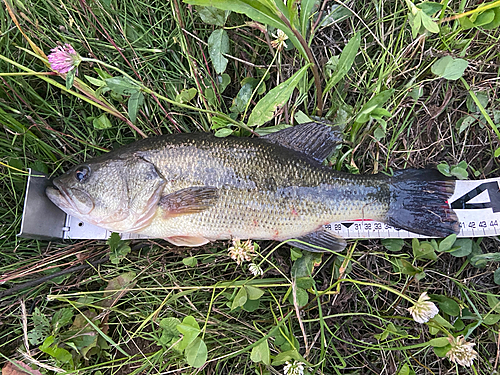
493,193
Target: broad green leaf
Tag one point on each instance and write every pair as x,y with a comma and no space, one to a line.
484,18
305,282
261,353
430,8
301,118
408,269
447,243
496,20
196,353
491,319
303,267
190,261
240,299
416,23
462,247
460,173
496,276
169,333
493,303
134,104
442,321
212,15
186,95
122,85
444,168
224,132
242,98
439,342
190,330
429,24
102,122
484,258
295,253
62,355
223,81
441,351
497,152
345,61
251,305
423,250
447,305
265,108
253,293
118,248
218,44
405,370
41,327
449,68
465,122
393,244
288,355
70,78
301,295
458,325
95,81
61,318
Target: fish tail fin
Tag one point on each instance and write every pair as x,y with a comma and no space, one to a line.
419,203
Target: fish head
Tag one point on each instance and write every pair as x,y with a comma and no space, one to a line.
118,193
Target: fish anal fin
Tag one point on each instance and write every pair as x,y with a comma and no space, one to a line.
321,238
313,138
188,201
191,241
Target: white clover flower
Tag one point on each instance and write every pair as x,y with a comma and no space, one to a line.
423,310
255,269
241,252
461,351
279,43
293,368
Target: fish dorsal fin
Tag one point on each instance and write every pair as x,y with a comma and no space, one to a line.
321,238
188,201
312,138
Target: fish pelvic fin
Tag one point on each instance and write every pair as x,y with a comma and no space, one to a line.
320,241
419,203
188,201
314,139
190,241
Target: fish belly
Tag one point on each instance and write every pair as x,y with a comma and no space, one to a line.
287,213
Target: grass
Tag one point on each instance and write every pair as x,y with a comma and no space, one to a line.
114,318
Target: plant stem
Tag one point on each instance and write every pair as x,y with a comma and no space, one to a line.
314,67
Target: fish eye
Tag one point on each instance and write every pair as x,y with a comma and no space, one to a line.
82,173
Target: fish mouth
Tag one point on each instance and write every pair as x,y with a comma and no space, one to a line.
67,202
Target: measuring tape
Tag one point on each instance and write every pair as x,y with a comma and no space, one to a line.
476,203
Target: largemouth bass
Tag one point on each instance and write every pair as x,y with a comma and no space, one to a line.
194,188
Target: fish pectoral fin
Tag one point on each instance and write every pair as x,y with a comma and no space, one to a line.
315,139
191,241
188,201
321,238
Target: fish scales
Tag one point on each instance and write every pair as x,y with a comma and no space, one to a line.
266,191
195,188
